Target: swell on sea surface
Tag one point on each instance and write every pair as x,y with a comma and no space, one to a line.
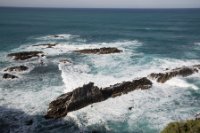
151,109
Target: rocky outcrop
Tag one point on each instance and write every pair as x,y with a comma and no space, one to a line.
48,45
104,50
9,76
88,94
183,71
26,55
16,69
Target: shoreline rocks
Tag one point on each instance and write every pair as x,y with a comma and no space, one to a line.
104,50
182,71
26,55
16,69
89,94
9,76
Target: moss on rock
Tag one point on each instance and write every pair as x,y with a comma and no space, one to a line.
189,126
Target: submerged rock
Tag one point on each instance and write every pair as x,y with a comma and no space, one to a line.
89,94
29,122
104,50
65,61
9,76
58,36
183,71
16,69
48,45
26,55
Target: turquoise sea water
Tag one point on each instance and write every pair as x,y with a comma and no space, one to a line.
151,39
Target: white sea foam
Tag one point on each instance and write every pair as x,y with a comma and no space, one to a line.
152,106
30,101
197,43
58,37
77,75
179,82
64,47
113,69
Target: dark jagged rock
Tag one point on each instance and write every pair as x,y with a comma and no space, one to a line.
26,55
9,76
74,100
88,94
104,50
183,71
130,108
125,87
16,69
48,45
56,36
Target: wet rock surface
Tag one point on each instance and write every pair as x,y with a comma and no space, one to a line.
9,76
88,94
26,55
16,69
104,50
183,71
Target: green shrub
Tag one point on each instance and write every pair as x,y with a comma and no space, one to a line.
189,126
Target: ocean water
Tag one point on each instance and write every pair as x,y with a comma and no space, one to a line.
151,39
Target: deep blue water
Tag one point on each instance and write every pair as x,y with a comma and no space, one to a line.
151,40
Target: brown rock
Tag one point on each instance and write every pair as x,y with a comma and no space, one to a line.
16,69
104,50
9,76
183,71
25,55
89,94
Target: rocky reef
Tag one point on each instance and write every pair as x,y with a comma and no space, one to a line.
26,55
103,50
88,94
9,76
16,69
182,71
